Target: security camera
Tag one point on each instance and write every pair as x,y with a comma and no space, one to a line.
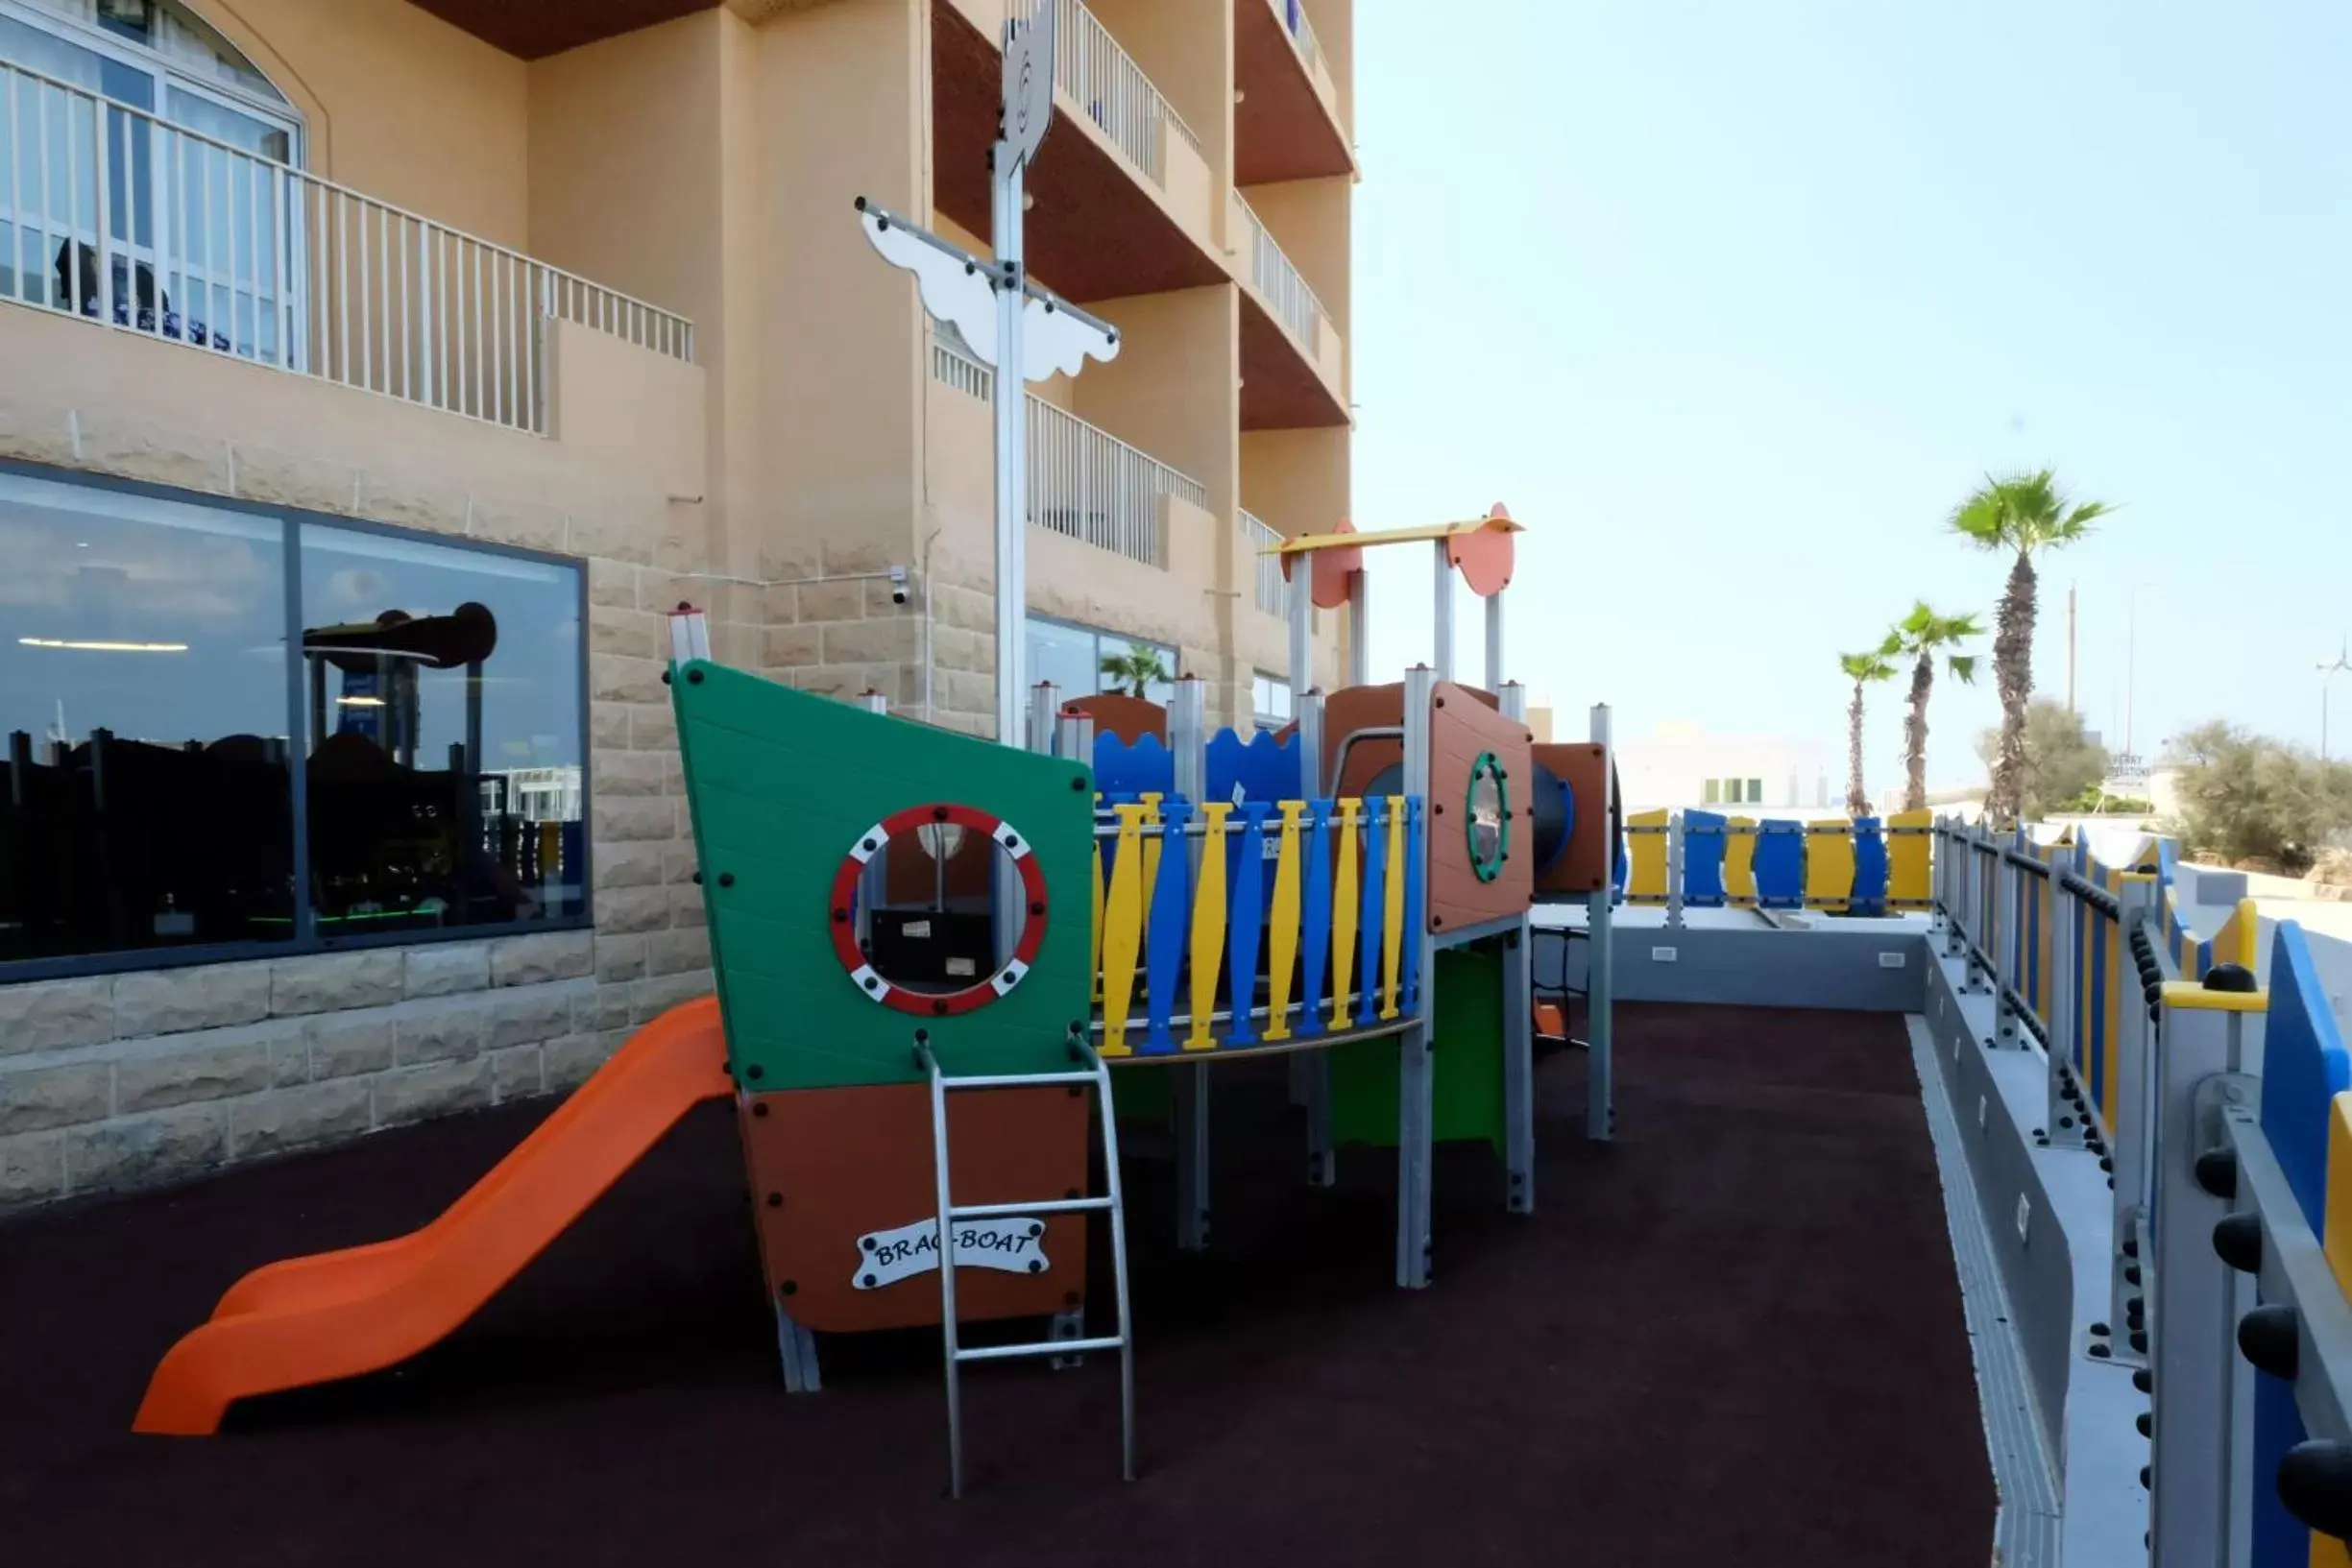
898,585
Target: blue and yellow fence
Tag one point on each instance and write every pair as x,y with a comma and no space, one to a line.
1241,923
2108,977
2307,1119
2033,912
1865,867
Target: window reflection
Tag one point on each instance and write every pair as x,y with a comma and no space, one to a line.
1072,658
445,763
1063,655
143,699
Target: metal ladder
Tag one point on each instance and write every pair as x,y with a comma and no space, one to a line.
1094,1073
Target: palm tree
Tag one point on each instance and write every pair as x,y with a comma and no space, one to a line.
1862,669
1138,670
1919,636
2021,514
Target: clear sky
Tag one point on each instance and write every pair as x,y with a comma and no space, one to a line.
1730,303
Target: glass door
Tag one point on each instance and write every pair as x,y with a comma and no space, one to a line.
185,192
232,212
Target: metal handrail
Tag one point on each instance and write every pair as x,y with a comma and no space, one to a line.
220,248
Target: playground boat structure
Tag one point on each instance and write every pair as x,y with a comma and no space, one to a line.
2141,1103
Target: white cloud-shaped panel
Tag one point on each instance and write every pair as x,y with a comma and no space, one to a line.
956,289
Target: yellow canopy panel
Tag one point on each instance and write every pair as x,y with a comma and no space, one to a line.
1305,543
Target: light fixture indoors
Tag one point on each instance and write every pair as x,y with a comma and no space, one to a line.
82,646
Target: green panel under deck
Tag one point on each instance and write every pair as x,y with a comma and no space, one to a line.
781,785
1145,1095
1467,1093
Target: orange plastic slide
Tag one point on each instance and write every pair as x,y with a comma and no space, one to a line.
340,1313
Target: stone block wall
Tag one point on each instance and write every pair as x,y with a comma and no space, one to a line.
152,1075
831,626
149,1077
836,631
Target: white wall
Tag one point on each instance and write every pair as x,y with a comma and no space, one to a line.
1671,767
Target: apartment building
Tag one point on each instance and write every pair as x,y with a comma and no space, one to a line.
381,371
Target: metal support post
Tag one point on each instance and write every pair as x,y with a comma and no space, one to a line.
1674,871
1442,608
2297,1279
689,635
2198,1299
1494,641
2065,1017
1188,751
1359,630
1519,985
2132,1130
1988,905
1301,627
1008,163
1936,874
1951,868
1311,1078
1044,711
1511,699
1073,737
1416,1113
2008,974
796,1348
1979,901
1600,1029
1520,1069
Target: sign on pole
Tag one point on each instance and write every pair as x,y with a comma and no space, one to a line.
1026,103
1021,332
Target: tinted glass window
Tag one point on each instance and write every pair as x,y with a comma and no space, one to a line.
162,682
442,690
1109,647
1063,655
143,699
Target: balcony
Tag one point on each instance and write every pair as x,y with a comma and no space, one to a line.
1085,483
1286,124
1273,591
194,242
1121,190
1293,360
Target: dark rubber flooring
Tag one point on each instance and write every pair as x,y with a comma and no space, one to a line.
1734,1335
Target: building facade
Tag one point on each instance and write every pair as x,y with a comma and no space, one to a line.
1680,766
384,370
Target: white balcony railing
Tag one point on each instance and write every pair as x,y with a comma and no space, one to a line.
1293,14
1278,282
118,216
1274,594
1084,481
1110,89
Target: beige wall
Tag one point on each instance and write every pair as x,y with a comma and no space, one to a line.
399,105
1335,27
1309,219
626,434
1296,481
1172,391
1186,48
643,168
1191,40
842,112
155,1075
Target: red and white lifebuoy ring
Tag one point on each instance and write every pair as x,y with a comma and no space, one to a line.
926,1003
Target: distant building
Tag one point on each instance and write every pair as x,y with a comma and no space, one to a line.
1680,765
